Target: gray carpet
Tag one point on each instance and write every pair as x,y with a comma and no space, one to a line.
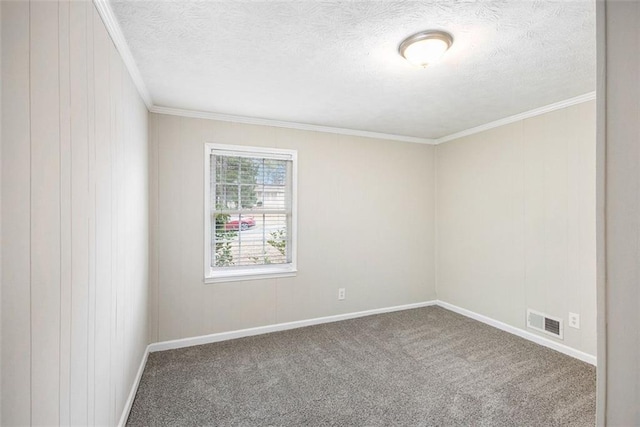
421,367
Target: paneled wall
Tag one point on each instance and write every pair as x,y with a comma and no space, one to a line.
74,215
516,221
365,223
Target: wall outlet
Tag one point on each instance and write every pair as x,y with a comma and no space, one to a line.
341,294
574,320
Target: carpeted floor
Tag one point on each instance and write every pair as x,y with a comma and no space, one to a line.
421,367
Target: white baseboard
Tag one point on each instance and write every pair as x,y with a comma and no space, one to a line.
521,333
223,336
134,389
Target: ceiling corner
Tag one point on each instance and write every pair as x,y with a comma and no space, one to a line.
115,32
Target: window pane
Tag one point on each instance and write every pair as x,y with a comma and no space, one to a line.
248,196
275,172
236,182
243,185
237,170
226,196
222,239
248,170
246,240
271,196
237,196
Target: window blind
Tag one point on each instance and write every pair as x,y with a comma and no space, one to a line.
250,200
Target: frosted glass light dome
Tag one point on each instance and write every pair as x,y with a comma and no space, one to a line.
426,47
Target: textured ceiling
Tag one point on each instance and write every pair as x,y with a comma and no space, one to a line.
336,63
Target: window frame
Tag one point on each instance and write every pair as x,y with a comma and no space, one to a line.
241,273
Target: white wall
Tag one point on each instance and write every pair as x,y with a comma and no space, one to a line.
74,215
620,112
365,223
516,221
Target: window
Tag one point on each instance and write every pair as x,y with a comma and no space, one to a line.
250,213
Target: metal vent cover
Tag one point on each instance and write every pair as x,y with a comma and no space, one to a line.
544,323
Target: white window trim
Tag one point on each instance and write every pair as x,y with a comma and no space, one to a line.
250,272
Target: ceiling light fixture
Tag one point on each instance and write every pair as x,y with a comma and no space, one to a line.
425,47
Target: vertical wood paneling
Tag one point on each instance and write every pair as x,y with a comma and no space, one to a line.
135,234
574,208
79,214
45,215
581,231
556,217
16,208
104,219
126,299
65,210
516,221
169,205
91,142
153,228
191,209
137,328
74,242
187,307
480,201
115,95
585,232
535,135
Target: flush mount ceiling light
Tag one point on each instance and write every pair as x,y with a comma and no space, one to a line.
425,47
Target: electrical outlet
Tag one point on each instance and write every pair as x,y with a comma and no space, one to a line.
341,294
574,320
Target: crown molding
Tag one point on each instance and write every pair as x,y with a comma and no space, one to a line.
288,125
291,125
114,30
527,114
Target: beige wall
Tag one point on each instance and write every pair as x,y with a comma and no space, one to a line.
74,215
365,223
516,221
620,111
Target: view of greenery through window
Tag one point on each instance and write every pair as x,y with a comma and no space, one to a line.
250,213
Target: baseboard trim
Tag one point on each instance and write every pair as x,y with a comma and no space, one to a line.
224,336
134,389
521,333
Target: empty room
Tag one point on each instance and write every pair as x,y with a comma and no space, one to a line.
320,213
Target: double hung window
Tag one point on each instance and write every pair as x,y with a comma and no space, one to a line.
250,212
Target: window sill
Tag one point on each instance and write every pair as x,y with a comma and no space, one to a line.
243,275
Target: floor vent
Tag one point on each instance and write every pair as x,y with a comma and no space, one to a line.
544,323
